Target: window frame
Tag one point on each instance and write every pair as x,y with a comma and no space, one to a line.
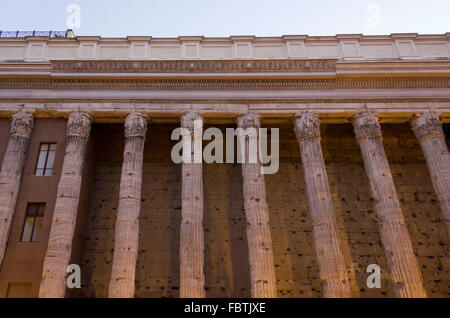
45,168
38,212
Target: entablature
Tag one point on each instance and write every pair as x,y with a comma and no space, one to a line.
225,113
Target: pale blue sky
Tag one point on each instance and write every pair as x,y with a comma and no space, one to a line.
117,18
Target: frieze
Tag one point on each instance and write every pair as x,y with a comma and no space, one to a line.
177,66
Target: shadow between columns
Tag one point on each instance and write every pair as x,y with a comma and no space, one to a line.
355,212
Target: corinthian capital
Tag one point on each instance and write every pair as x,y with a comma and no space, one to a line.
366,125
188,120
427,125
135,125
307,125
79,125
21,124
250,120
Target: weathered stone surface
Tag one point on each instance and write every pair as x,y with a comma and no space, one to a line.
405,271
11,172
262,270
192,277
329,253
53,283
226,253
126,241
428,129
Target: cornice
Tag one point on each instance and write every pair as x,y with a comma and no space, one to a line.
248,37
257,84
403,35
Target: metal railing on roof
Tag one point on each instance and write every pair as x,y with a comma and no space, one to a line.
22,34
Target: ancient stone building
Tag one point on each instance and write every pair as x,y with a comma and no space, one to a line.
87,176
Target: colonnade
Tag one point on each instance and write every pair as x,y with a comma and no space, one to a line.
404,268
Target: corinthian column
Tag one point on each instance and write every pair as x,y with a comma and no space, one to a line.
262,270
394,234
428,130
192,278
326,238
53,283
11,173
127,223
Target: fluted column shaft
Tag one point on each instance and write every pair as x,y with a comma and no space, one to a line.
262,270
192,278
329,253
428,129
53,283
394,234
122,283
11,172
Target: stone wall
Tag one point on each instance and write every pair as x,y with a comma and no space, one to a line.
226,255
104,198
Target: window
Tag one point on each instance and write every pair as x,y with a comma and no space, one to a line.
45,161
33,222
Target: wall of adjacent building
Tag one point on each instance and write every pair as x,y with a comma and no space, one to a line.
24,260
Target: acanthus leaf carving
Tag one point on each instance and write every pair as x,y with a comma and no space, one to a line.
250,120
135,125
366,124
307,125
427,125
79,125
22,124
188,120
